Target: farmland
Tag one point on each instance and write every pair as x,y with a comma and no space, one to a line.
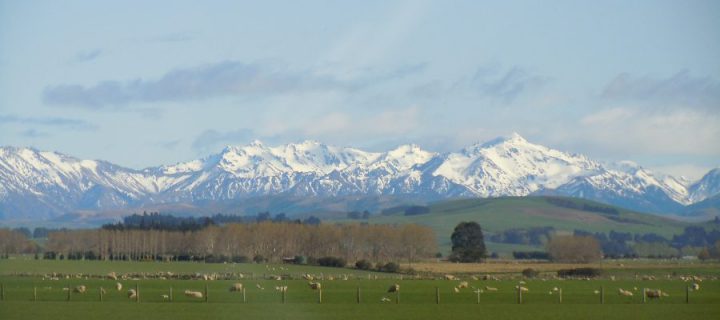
418,298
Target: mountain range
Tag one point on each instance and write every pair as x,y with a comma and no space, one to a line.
45,185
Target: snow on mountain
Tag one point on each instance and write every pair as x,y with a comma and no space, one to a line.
512,166
47,184
707,187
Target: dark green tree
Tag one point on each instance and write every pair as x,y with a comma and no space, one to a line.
468,244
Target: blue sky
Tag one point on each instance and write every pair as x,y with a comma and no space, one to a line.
142,84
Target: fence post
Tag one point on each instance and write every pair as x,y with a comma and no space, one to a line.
244,298
137,293
478,295
171,294
206,292
644,295
602,294
397,297
437,295
68,294
687,294
519,295
101,294
34,293
560,295
320,294
283,295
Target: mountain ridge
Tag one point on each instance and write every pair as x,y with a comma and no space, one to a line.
41,184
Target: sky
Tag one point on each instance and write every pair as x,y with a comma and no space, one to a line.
143,83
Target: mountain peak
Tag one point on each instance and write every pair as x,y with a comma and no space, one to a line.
512,138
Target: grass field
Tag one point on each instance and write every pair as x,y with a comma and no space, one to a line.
417,299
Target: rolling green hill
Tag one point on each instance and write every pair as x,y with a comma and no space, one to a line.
564,214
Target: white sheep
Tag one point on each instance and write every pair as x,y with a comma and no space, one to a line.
695,286
132,294
462,285
315,285
626,293
193,294
80,289
259,286
236,287
118,286
488,288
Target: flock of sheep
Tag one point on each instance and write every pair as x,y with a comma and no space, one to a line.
313,282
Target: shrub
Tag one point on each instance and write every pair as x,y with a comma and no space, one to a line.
579,272
531,255
363,265
391,267
332,262
300,260
530,273
240,259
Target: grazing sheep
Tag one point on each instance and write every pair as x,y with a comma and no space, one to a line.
488,288
308,277
394,288
695,286
555,289
449,277
166,297
118,286
132,294
236,287
193,294
112,276
456,290
259,287
521,282
281,288
80,289
385,299
315,285
655,294
462,285
523,289
65,289
626,293
596,292
474,278
102,290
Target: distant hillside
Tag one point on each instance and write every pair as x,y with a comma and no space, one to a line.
562,213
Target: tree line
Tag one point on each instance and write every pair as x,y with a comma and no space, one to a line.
264,241
158,221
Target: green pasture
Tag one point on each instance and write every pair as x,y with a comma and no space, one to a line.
32,296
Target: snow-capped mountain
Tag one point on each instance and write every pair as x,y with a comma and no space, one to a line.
37,184
707,187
